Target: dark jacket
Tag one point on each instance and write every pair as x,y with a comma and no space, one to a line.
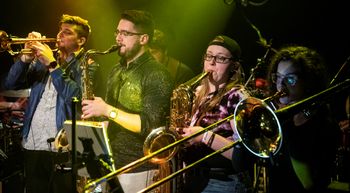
66,80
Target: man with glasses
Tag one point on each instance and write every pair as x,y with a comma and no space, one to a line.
53,79
137,99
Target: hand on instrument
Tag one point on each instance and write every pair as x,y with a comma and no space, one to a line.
95,108
43,52
190,131
28,57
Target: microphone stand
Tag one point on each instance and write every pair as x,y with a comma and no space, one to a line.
339,71
74,149
260,61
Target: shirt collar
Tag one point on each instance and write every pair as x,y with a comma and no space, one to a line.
140,60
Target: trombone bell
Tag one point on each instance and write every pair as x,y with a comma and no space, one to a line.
159,138
258,127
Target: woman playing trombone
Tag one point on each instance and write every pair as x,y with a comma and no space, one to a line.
310,134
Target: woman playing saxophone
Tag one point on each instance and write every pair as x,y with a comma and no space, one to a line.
215,98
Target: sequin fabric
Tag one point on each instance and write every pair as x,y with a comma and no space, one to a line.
143,87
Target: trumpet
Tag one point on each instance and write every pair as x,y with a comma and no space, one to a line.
7,42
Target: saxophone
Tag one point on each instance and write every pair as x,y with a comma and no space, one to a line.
98,167
181,102
180,117
61,142
87,91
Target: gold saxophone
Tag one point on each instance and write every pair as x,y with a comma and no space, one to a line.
87,91
61,142
62,139
180,117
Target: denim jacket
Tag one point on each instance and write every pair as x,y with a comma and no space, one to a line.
67,82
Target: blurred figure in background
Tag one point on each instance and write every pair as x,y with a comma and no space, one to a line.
179,71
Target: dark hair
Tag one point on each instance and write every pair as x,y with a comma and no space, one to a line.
142,20
159,41
310,64
83,27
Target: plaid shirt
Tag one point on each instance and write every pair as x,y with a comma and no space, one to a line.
223,109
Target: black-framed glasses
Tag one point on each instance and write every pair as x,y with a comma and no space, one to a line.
126,33
291,78
218,59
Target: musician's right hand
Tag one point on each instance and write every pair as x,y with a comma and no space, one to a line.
189,131
95,108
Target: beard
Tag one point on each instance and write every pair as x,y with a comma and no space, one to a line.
130,53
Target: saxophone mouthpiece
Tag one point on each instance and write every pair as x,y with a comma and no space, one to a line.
113,48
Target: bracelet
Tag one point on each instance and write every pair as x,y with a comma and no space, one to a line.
211,139
204,138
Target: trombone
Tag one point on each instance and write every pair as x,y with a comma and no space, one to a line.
256,123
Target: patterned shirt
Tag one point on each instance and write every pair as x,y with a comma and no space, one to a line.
43,124
225,108
143,87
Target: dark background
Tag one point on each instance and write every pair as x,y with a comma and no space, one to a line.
322,25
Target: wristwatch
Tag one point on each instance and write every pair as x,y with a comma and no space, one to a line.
53,64
113,114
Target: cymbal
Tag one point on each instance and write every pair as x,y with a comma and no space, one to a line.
15,93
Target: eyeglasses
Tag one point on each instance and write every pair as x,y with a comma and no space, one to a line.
126,33
291,78
218,59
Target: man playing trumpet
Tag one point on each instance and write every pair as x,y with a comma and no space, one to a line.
53,82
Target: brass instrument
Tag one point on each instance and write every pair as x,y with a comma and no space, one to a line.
263,140
180,115
61,141
90,129
181,102
86,80
7,42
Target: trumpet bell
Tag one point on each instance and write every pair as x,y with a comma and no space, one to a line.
258,127
159,138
